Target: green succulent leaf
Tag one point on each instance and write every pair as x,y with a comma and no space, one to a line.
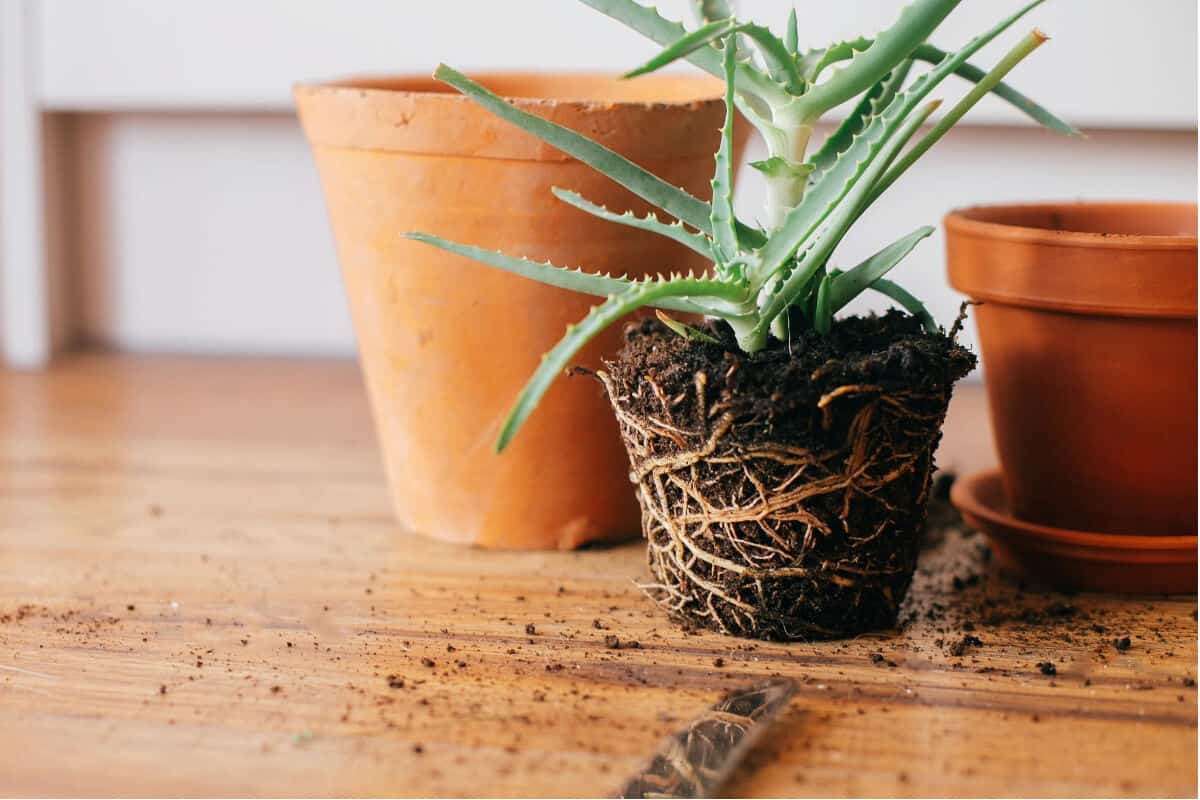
970,72
544,272
686,45
671,230
848,285
600,317
823,311
890,47
644,184
686,331
648,22
815,61
934,55
724,231
872,104
909,303
781,64
987,83
791,39
848,171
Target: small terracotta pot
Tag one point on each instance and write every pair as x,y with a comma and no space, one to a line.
446,343
1088,333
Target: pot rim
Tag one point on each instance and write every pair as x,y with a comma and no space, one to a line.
656,120
966,220
376,85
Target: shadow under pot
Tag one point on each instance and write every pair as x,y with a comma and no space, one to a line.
1087,327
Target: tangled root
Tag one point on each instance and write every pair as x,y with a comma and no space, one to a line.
757,536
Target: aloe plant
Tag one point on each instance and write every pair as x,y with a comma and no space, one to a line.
776,272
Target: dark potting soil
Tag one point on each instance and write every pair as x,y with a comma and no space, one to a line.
783,493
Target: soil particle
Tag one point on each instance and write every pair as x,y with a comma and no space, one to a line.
718,662
1122,644
1047,668
960,647
876,658
428,662
530,629
395,682
612,642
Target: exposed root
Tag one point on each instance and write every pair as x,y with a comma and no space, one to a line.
775,539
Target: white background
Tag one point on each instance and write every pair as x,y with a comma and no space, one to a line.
184,213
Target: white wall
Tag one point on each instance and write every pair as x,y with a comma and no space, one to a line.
192,215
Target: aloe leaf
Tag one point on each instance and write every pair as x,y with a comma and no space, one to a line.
685,46
648,22
722,222
815,61
909,303
851,283
574,279
844,213
686,331
651,223
933,55
644,184
781,64
600,317
791,39
823,312
843,176
970,72
890,47
872,103
1018,53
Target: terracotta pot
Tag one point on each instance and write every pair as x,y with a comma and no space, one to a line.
1088,333
446,343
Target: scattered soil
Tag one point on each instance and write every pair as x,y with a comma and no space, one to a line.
967,641
783,493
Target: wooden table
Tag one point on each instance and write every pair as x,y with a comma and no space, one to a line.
203,593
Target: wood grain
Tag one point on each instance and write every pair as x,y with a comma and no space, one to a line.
203,594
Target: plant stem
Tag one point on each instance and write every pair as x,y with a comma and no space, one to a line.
784,192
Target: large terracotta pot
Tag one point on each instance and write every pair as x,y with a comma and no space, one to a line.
446,343
1088,333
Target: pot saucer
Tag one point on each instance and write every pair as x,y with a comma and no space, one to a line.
1097,562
